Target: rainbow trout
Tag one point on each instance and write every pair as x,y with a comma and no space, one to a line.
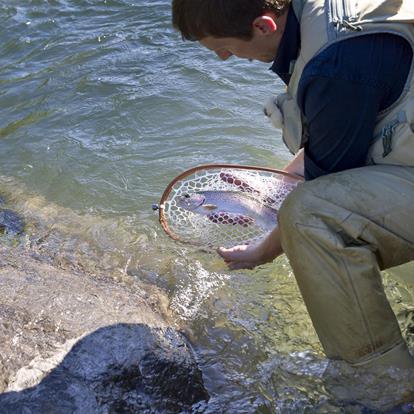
229,207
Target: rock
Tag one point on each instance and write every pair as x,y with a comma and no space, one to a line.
120,368
70,343
11,222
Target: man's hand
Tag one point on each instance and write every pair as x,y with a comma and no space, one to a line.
252,255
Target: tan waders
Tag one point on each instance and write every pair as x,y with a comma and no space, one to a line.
338,232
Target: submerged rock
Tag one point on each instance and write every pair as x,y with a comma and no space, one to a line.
11,222
70,343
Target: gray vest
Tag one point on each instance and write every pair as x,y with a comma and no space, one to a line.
325,22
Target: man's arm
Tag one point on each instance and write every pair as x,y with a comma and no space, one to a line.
297,165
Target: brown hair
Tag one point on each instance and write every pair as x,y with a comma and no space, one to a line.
196,19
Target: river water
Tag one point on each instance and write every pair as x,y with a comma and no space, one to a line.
101,105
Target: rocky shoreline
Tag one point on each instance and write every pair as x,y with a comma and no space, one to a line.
75,343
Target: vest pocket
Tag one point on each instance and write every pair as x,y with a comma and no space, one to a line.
394,142
292,121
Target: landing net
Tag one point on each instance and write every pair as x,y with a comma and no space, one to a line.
265,187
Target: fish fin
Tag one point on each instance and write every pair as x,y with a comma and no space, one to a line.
223,217
209,206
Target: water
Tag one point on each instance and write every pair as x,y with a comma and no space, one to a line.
101,105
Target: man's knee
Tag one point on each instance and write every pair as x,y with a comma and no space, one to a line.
337,273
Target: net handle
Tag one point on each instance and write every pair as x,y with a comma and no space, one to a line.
191,171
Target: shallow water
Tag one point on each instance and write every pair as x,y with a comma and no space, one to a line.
102,105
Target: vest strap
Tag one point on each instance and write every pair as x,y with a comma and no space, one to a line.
298,6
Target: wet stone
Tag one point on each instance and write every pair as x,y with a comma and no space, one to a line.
118,369
11,222
70,343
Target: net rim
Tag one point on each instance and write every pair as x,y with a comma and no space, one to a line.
161,215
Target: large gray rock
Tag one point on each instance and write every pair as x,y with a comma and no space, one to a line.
71,343
124,368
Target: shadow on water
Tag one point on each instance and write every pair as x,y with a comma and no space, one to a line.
123,368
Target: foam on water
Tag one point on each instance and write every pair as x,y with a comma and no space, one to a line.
191,292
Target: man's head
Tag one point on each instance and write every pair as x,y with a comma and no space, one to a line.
245,28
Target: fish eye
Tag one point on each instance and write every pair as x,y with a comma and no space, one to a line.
186,195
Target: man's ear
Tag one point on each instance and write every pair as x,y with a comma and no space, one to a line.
264,25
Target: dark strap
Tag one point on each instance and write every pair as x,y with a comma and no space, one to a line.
298,6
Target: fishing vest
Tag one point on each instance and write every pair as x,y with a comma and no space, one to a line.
325,22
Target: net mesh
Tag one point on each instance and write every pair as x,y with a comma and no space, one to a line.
222,228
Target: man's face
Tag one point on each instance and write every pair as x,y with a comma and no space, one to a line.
257,48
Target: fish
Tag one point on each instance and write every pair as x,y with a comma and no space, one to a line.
229,207
243,186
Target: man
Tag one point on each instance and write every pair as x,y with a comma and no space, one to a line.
348,116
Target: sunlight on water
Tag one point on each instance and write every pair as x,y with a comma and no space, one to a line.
189,297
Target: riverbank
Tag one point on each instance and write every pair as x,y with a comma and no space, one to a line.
95,343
